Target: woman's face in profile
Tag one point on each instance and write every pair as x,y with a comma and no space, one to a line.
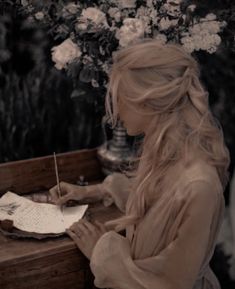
134,122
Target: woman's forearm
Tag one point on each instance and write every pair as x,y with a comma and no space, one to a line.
94,193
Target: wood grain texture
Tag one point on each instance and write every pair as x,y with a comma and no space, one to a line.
51,271
39,173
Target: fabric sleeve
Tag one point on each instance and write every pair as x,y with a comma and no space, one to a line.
176,266
116,188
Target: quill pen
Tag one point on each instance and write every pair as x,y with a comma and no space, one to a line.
57,179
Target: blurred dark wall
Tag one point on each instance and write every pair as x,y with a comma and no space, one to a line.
37,114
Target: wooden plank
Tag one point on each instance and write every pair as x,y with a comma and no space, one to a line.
38,174
44,277
16,251
50,270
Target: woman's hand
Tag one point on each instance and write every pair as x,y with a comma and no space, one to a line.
85,235
70,192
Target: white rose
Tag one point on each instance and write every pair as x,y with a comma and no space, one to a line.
131,30
95,15
114,13
72,8
39,15
164,24
65,53
126,4
81,25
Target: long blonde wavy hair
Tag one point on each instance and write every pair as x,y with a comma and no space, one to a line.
163,81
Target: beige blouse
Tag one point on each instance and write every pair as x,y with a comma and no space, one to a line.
172,246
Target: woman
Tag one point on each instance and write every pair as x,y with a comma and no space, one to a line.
174,201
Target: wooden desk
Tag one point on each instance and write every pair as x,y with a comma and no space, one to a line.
53,262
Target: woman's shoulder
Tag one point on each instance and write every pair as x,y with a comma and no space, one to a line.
198,185
200,173
199,169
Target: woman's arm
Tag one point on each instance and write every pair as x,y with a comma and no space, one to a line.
114,189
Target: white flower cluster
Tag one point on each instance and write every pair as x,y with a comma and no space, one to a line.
203,35
129,21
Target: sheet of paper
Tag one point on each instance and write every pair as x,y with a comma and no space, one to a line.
73,214
35,217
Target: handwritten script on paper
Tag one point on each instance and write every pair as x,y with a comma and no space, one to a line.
39,218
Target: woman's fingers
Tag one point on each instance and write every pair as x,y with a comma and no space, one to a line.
84,227
54,194
62,200
88,225
67,193
73,236
80,229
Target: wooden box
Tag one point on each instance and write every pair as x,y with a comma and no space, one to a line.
53,262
